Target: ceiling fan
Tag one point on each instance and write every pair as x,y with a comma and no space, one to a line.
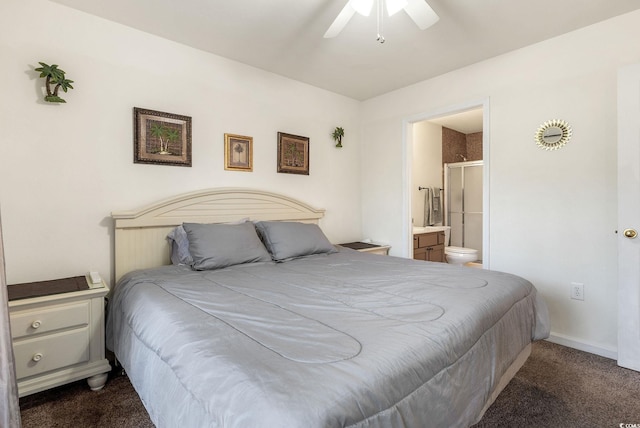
418,10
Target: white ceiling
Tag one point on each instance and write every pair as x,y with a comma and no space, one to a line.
466,122
285,36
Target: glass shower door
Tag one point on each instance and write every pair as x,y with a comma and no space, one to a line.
464,204
455,206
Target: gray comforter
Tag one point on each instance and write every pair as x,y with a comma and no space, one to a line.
345,339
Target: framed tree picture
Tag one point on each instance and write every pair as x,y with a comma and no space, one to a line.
161,138
238,153
293,154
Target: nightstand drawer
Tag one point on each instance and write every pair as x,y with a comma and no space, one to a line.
42,320
45,353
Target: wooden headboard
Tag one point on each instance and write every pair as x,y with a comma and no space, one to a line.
140,235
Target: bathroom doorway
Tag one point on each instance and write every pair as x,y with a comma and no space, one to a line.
453,135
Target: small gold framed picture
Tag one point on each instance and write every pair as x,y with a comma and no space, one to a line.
238,153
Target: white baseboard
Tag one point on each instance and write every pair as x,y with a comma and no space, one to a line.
581,345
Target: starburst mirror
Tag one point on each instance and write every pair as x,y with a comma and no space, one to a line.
553,134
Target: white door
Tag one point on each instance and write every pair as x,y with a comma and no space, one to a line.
629,217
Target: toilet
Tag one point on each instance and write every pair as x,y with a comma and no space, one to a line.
460,256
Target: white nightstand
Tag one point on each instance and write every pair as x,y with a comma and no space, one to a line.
58,333
366,247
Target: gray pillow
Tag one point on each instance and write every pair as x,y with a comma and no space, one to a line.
214,246
287,240
179,241
180,244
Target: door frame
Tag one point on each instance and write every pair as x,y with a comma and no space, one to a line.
407,159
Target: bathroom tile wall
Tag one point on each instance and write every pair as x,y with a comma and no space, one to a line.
456,144
474,146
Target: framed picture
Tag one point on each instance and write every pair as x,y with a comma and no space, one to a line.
238,153
293,154
161,138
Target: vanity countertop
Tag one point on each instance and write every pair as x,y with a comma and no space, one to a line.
428,229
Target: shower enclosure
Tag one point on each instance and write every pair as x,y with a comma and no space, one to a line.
463,204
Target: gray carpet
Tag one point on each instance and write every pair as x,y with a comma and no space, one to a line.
563,387
75,405
557,387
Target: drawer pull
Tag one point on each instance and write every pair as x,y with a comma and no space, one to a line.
37,357
36,324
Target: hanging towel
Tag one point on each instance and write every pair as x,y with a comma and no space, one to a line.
436,204
428,208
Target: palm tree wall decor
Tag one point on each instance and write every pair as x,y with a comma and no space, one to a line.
54,81
239,150
238,153
293,154
161,138
337,135
172,135
159,131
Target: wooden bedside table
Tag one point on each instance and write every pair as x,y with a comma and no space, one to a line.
368,248
58,333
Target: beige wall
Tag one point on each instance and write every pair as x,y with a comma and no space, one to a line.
552,214
426,168
64,168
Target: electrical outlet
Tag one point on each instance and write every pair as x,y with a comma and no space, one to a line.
577,290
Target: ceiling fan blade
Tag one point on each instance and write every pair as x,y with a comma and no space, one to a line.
394,6
421,13
363,7
341,20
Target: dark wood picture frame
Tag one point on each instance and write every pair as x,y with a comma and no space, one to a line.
238,153
161,138
293,154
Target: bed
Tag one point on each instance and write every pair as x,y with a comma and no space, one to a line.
310,335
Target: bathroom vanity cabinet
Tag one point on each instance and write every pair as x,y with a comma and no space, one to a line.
429,246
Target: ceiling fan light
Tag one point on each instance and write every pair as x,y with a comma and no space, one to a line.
363,7
395,6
